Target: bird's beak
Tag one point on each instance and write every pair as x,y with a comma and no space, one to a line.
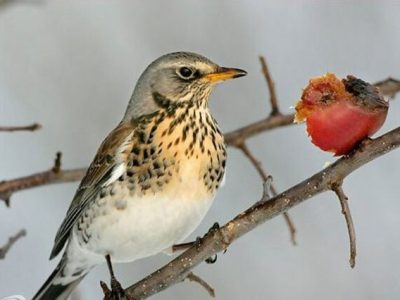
222,74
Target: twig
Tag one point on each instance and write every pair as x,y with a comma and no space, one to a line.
263,174
11,242
236,137
192,277
54,175
271,87
57,163
389,86
32,127
337,188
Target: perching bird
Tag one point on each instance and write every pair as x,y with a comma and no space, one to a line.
154,177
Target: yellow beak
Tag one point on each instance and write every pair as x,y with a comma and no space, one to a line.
224,74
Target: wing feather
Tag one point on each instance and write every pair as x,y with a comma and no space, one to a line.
108,165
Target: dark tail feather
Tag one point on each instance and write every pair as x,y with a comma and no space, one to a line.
52,291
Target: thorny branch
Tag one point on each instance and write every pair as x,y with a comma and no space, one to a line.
337,188
217,240
11,242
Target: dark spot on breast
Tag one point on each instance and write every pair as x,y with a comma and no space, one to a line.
145,154
136,150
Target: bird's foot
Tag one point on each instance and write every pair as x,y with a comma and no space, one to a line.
197,243
117,292
213,259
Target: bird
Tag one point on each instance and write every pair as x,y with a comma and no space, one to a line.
153,178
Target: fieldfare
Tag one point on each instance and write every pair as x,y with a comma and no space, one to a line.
153,178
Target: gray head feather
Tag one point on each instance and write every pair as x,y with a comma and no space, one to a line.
162,77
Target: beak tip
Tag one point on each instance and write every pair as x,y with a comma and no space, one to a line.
240,73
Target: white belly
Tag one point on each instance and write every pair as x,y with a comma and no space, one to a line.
134,227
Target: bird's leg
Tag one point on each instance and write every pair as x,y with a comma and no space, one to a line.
117,292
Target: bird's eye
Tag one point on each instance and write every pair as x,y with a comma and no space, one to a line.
185,72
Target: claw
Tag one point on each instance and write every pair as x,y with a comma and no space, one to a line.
211,260
117,292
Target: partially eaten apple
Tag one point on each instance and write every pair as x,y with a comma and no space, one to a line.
340,113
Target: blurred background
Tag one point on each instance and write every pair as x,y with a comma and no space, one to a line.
72,65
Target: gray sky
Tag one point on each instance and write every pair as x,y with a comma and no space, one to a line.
72,66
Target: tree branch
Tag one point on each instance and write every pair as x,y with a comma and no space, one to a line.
271,87
337,188
31,127
54,175
218,240
11,241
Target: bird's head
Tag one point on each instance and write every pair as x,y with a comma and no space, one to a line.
176,77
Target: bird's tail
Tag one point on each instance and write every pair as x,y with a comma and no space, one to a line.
59,286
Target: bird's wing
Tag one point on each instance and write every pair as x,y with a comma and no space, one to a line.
108,165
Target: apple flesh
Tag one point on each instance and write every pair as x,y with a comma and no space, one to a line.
340,113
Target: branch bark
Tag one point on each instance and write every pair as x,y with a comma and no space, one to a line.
218,240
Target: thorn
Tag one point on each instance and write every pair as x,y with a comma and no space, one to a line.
57,163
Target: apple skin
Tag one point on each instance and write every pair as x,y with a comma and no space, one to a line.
339,116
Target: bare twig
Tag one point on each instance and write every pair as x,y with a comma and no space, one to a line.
337,188
192,277
292,228
31,127
218,240
271,87
263,174
256,163
389,86
54,175
11,242
236,137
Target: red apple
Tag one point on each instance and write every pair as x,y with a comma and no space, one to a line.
340,113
